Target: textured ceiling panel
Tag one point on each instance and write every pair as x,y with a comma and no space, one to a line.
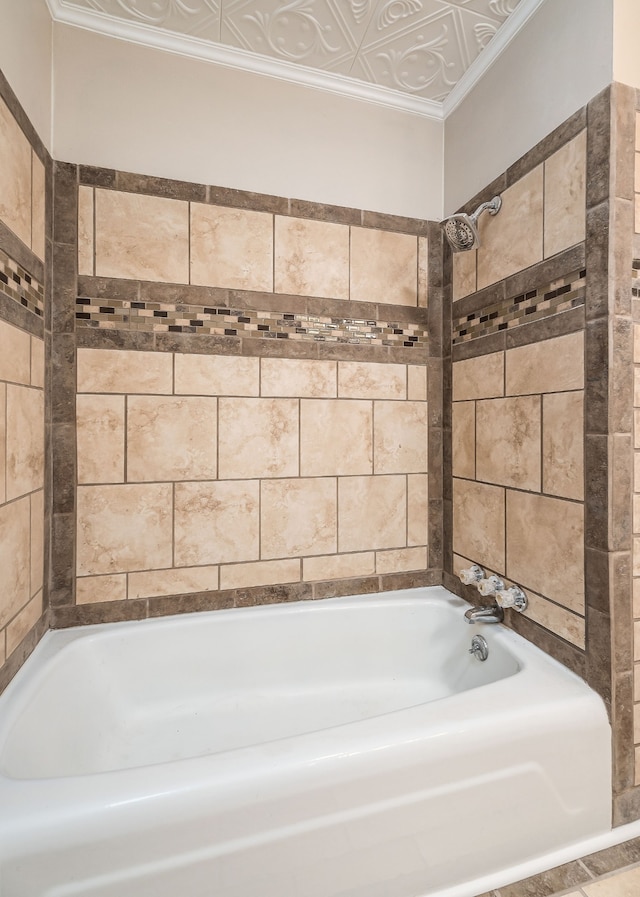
416,47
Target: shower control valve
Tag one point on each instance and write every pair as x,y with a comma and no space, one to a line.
512,597
471,575
490,586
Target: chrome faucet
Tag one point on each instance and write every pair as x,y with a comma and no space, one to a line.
492,613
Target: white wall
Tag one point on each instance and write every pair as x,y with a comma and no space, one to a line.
556,64
122,106
626,42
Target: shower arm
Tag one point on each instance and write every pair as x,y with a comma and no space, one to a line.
492,206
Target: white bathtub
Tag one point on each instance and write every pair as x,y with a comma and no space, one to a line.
350,746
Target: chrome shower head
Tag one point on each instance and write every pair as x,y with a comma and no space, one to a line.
462,230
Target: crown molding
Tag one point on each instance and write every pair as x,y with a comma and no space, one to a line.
230,57
496,46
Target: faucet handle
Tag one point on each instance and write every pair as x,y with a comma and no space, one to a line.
471,575
512,597
490,586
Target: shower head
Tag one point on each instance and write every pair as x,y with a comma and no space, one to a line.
462,230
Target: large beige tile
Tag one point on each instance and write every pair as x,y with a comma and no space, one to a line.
216,523
464,273
479,378
179,581
38,179
298,377
258,438
15,548
311,258
564,623
508,442
423,272
23,623
141,237
554,365
368,380
108,370
85,230
401,560
37,541
417,382
479,523
545,547
563,444
372,512
383,267
123,528
100,436
417,509
3,441
298,517
464,439
339,566
15,354
15,176
171,438
37,362
636,343
512,240
622,884
25,440
335,437
564,196
231,248
217,375
259,573
96,589
400,437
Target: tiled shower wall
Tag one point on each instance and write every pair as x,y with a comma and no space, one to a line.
252,414
23,163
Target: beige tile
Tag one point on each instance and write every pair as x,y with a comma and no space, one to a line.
96,589
15,176
400,437
141,237
563,444
339,566
637,136
423,272
37,206
508,442
383,267
636,723
216,523
567,625
298,517
636,471
637,766
636,558
311,258
368,380
479,523
335,437
372,513
123,528
479,378
37,362
401,560
636,343
554,365
179,581
15,354
171,438
636,387
564,196
37,541
3,653
3,444
545,539
21,625
417,509
298,377
108,370
15,546
260,573
417,382
636,601
464,439
636,429
636,640
25,440
512,240
85,230
464,273
231,248
637,213
622,884
258,438
100,438
217,375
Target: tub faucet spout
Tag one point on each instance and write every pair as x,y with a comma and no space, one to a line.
492,613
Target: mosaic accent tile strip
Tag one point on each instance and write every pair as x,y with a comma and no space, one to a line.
560,295
18,285
635,279
114,314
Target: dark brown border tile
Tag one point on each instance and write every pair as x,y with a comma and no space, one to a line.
613,858
299,208
598,147
165,187
415,226
21,253
483,345
14,313
549,145
561,878
626,807
65,616
90,176
243,199
571,321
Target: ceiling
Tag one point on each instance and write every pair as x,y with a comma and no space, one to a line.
413,52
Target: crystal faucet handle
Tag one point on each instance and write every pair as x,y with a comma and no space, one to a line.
512,597
471,575
490,586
